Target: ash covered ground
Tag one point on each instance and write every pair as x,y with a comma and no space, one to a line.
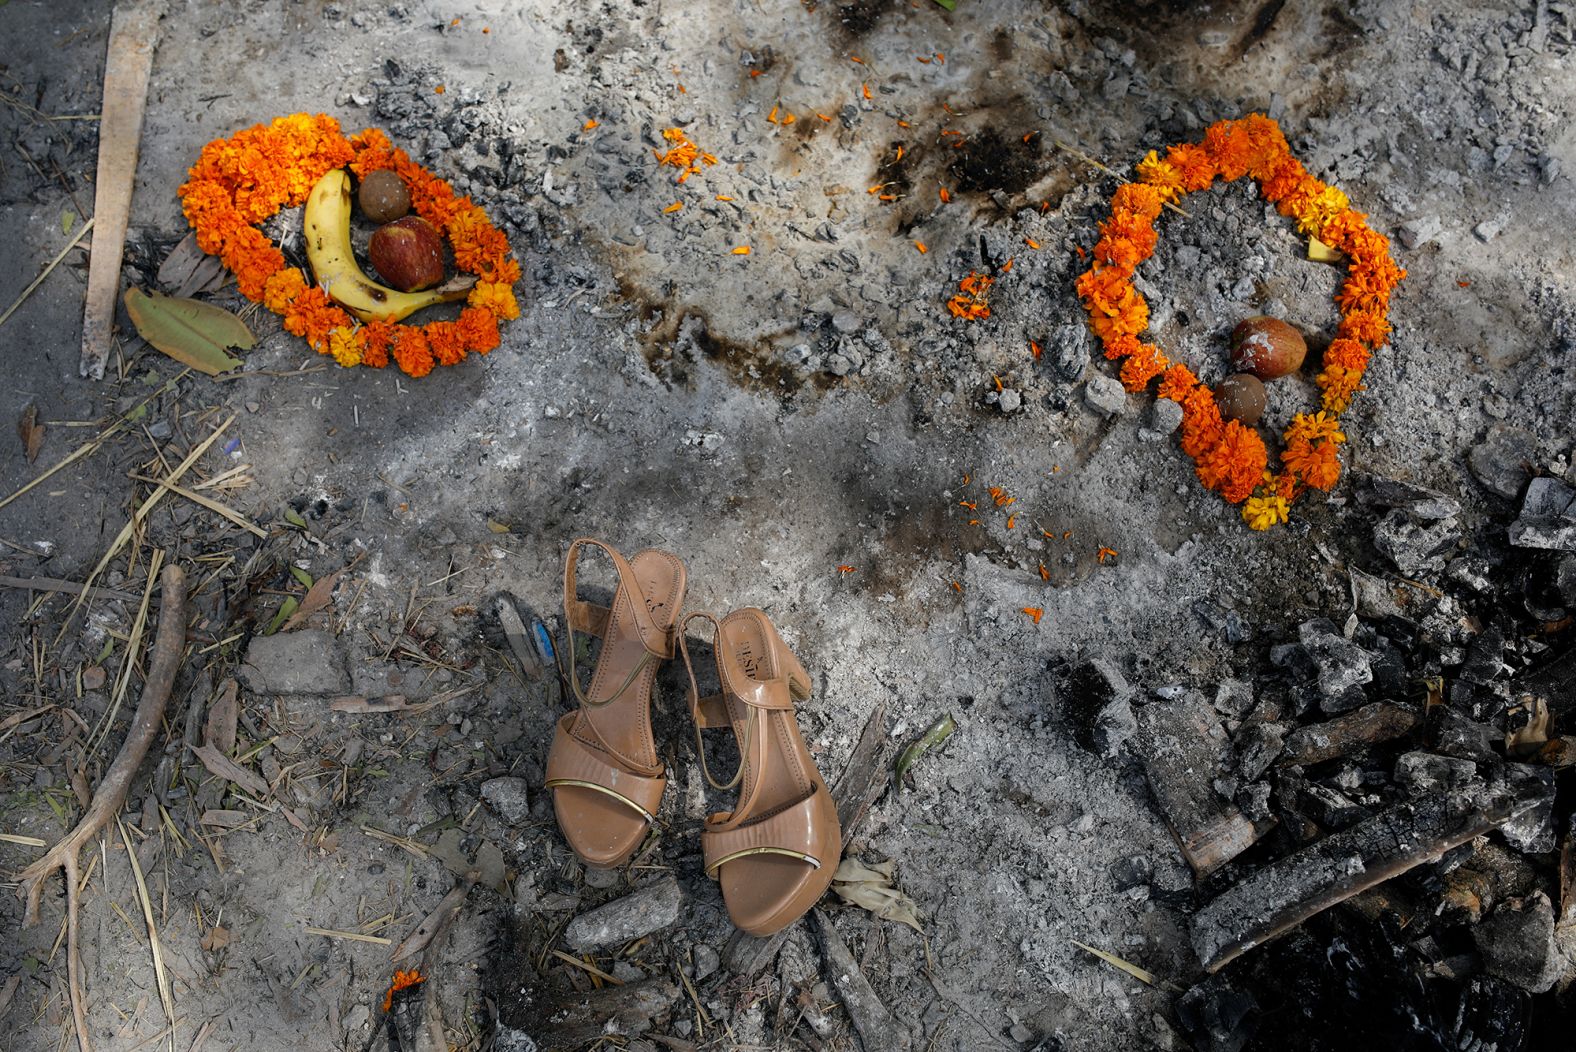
772,417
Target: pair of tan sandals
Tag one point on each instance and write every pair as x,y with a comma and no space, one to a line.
775,852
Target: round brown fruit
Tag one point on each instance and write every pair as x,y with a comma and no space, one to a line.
383,196
408,253
1240,397
1267,347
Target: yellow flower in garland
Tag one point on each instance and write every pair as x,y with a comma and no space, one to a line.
343,346
1229,457
1260,513
243,180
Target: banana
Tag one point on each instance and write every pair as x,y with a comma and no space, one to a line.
334,264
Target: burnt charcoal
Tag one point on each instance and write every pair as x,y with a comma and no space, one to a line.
1485,657
1531,830
1554,680
1391,678
1254,800
1565,579
1518,944
1329,807
1217,1015
1473,571
1492,1016
1227,622
1548,517
1502,461
1416,545
1425,772
1342,668
1462,736
1096,700
1257,745
1234,697
1131,871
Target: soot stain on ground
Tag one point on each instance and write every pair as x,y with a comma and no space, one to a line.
989,160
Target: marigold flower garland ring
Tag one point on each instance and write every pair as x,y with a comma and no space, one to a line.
241,181
1229,456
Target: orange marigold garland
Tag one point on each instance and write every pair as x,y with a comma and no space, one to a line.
1228,456
243,180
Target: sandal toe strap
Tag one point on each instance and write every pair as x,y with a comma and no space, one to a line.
806,830
571,762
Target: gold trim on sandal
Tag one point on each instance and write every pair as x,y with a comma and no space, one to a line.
621,798
711,871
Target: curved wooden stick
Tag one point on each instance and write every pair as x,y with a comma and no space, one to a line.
110,796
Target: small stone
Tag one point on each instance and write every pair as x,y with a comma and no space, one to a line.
1502,461
1419,231
1106,394
650,909
601,879
846,321
308,661
1257,745
1234,697
1518,944
1113,726
1009,400
1489,229
509,797
839,365
1165,416
706,961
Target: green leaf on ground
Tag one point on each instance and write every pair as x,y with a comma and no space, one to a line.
68,219
950,5
286,608
302,576
192,333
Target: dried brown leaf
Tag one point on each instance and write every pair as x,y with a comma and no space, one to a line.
223,714
31,432
317,597
222,766
871,888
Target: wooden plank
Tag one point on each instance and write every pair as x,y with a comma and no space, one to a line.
134,30
1369,725
864,779
1285,893
1181,744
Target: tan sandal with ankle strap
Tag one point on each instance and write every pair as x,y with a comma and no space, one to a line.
603,768
775,853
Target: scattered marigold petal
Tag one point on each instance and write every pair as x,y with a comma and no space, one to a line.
969,504
1105,553
1035,613
588,125
866,89
438,90
742,250
956,587
921,246
847,569
674,207
1012,521
942,193
723,197
1045,575
1031,242
1034,349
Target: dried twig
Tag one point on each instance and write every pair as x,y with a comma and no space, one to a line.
110,796
46,271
